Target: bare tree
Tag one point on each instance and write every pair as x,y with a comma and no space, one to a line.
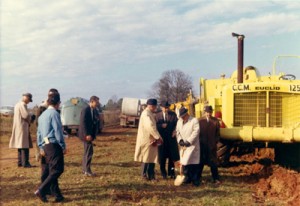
174,85
113,103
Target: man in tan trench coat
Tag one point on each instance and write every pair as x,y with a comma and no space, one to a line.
20,137
148,139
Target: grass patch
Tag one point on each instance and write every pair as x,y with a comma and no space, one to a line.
118,179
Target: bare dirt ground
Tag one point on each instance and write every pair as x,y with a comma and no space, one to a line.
271,181
267,180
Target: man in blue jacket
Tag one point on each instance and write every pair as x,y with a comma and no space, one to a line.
52,145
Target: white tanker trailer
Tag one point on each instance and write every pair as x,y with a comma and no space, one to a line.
131,111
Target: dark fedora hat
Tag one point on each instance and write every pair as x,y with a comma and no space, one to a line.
208,109
152,102
28,95
164,104
182,111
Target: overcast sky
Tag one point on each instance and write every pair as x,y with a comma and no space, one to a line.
121,47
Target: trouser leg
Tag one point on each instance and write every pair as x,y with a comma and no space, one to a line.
54,188
162,165
191,173
186,172
171,167
214,171
44,173
201,166
44,168
194,174
150,171
19,157
55,160
144,168
87,156
26,156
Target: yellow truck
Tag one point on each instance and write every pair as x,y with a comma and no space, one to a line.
257,111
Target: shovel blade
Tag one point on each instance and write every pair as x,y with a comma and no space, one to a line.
179,180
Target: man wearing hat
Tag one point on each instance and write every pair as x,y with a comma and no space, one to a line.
148,139
20,137
209,137
166,121
187,130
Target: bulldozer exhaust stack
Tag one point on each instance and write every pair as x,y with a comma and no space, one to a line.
240,38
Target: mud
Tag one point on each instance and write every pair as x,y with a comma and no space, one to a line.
270,181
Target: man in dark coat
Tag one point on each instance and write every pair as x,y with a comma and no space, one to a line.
87,132
166,121
209,137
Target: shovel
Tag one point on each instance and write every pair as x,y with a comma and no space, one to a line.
179,178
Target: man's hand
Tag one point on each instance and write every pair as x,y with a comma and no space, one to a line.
187,144
164,125
88,138
42,152
174,134
181,143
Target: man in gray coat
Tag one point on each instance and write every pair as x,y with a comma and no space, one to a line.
20,138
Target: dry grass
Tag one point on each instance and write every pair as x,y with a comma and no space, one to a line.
118,178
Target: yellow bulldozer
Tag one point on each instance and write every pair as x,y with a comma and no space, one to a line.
256,111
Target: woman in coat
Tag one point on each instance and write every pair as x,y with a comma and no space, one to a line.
146,150
187,130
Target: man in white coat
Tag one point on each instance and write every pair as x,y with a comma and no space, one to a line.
188,138
148,139
20,137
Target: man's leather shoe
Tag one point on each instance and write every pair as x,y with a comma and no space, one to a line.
90,174
217,182
186,180
40,196
59,199
28,165
196,183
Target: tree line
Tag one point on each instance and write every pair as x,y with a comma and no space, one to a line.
173,86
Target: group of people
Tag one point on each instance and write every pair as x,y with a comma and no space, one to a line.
167,137
50,140
162,137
